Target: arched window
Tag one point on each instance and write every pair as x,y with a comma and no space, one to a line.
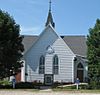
80,66
42,65
55,65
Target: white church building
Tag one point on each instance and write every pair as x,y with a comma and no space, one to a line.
50,58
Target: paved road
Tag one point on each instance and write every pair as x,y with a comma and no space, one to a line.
19,92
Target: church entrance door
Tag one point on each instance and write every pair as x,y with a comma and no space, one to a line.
80,75
48,79
80,72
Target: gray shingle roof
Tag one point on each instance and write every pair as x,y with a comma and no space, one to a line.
76,43
28,41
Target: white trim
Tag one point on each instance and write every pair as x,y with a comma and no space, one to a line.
73,70
23,72
80,55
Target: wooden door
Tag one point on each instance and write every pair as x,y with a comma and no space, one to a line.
80,75
80,72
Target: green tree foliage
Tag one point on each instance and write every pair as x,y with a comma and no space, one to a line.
11,46
93,55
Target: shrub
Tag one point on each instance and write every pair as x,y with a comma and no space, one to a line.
24,85
5,82
37,83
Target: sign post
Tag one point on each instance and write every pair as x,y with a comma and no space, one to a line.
13,82
77,83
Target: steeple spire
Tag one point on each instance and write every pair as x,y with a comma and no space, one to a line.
49,18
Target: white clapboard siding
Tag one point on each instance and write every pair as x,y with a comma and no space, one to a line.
39,48
65,55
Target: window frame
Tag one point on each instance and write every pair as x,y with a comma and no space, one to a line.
42,65
55,65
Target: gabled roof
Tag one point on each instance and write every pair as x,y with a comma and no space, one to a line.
76,43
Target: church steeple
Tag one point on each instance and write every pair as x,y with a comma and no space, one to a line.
49,18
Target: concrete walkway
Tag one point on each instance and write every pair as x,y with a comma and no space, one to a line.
45,88
22,92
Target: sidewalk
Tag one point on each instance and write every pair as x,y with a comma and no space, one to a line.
22,92
45,88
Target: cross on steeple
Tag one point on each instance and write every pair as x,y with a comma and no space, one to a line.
50,5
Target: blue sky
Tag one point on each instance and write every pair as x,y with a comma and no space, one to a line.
72,17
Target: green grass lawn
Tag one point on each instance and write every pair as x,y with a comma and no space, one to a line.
78,91
82,89
90,91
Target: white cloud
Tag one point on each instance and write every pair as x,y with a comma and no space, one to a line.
30,30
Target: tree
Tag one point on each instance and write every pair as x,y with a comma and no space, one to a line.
93,55
11,46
